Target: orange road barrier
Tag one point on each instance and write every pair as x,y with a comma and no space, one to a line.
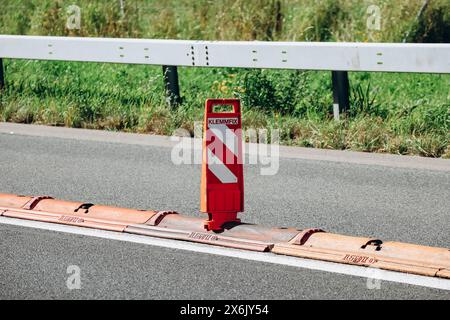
240,236
306,243
13,201
82,214
368,252
222,182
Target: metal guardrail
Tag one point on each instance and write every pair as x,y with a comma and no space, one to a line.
336,57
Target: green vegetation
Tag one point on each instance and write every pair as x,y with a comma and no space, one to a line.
394,113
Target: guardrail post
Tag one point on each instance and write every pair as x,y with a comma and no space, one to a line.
172,89
2,78
341,95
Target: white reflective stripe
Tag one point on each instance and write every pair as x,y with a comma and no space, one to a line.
227,136
220,170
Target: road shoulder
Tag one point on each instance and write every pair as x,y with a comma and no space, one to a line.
352,157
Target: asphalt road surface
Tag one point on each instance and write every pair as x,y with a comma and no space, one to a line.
392,203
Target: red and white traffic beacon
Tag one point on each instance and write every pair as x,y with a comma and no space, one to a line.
222,184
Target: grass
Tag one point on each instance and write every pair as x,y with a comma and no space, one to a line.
392,113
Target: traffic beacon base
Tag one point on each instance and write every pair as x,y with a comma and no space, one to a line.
222,182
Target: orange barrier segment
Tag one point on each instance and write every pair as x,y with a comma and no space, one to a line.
81,214
371,252
13,201
234,235
307,243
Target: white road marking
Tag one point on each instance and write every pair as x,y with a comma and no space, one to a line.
430,282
